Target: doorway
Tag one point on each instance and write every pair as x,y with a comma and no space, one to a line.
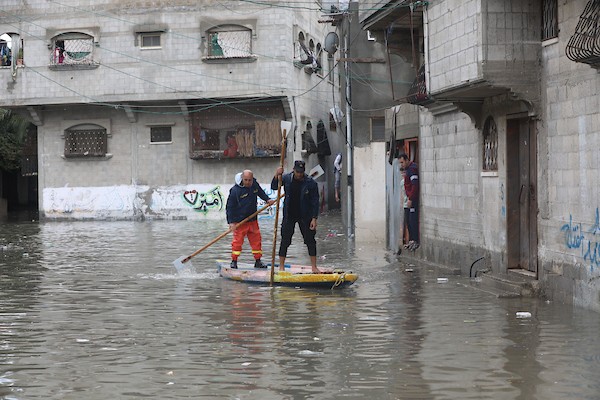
19,188
521,201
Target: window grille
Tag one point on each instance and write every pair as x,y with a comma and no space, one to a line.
160,134
72,50
490,145
85,143
584,45
549,19
417,94
230,44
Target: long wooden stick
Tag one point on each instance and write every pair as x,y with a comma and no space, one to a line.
281,159
222,235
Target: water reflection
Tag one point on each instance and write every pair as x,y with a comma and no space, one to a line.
96,310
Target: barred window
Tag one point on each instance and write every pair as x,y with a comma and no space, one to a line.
160,134
83,143
230,42
72,50
549,19
490,145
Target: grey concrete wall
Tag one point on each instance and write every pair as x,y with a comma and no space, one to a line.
452,215
495,40
155,80
455,39
128,72
569,225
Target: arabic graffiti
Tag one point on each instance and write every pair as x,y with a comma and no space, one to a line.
270,211
587,242
206,201
503,208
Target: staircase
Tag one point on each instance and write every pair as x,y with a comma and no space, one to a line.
516,283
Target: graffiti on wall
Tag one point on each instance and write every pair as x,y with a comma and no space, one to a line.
212,200
586,241
204,201
503,208
89,202
270,211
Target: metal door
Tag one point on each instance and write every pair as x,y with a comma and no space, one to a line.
521,204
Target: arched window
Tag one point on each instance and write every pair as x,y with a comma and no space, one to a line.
319,55
490,145
229,41
11,49
86,140
73,48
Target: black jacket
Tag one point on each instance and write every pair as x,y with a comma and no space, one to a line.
309,196
241,202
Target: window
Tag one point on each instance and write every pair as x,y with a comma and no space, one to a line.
226,135
490,145
229,42
300,51
11,50
319,56
150,40
73,50
86,141
308,143
330,68
549,19
378,129
160,134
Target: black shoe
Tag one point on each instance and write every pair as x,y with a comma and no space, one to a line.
259,264
233,264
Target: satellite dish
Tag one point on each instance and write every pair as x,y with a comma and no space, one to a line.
332,41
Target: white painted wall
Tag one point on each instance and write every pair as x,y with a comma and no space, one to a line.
370,193
191,202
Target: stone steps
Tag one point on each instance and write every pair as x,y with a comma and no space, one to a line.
516,283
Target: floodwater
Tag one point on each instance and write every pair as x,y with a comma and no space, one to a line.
96,310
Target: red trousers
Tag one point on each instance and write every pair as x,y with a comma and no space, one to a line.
251,230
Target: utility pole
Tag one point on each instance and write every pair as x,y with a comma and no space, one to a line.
349,145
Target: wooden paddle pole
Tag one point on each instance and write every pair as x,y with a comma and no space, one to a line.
222,235
281,159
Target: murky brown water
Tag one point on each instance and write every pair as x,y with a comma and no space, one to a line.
95,310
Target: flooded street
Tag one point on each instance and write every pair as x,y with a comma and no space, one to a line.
96,310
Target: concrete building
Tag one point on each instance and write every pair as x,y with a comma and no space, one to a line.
149,109
504,120
368,87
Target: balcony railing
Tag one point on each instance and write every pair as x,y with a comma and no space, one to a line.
417,94
584,45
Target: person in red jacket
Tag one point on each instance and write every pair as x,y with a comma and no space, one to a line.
241,203
411,186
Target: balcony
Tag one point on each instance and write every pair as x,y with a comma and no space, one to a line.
471,52
584,45
417,94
